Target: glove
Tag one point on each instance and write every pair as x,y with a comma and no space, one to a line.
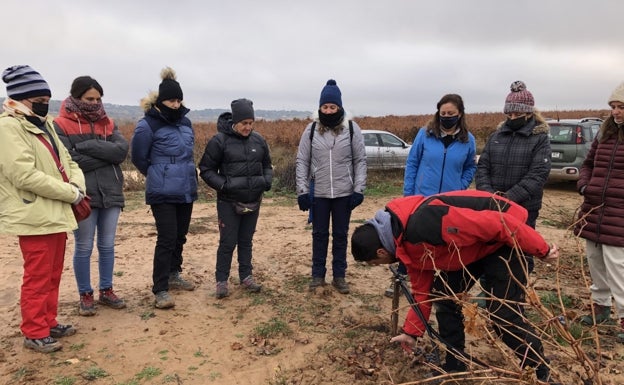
79,196
356,200
304,202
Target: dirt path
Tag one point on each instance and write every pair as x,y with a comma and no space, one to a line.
282,336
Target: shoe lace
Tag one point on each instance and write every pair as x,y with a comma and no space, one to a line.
110,295
47,340
87,299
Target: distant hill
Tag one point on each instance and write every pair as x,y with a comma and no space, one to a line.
134,113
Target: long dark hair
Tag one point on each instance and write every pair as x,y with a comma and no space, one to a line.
611,129
433,127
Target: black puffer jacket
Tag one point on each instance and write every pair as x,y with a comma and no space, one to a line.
517,163
237,167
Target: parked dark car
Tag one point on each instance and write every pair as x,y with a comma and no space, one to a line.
570,141
384,150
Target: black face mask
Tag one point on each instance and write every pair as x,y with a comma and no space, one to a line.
40,109
331,120
517,123
172,115
449,122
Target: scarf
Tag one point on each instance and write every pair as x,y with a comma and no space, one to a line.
15,108
90,111
381,223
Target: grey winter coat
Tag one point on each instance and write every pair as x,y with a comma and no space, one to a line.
337,162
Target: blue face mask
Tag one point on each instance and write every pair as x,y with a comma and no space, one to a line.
449,122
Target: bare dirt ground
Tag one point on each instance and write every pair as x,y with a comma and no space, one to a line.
283,335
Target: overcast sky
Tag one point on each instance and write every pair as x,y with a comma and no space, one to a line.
388,56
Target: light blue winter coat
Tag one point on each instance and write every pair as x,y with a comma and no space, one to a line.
432,169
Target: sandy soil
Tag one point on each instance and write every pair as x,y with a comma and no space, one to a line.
283,335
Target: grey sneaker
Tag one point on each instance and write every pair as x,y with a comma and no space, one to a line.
60,331
178,283
222,289
163,300
316,282
341,285
251,285
43,345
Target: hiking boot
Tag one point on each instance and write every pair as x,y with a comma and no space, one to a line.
222,290
176,282
43,345
163,300
250,284
110,299
60,331
87,304
341,285
602,313
316,282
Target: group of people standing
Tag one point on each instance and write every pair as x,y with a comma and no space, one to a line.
47,165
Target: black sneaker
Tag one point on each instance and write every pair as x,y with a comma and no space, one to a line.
43,345
60,331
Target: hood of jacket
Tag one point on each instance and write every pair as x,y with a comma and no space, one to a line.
149,101
224,125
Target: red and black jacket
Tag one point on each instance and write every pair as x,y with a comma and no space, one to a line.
451,230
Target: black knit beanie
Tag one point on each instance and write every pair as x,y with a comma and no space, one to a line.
169,88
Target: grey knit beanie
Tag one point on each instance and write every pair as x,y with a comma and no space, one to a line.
242,109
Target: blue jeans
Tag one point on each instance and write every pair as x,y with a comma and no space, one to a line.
105,222
340,212
235,231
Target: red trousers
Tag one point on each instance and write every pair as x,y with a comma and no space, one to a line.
43,264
